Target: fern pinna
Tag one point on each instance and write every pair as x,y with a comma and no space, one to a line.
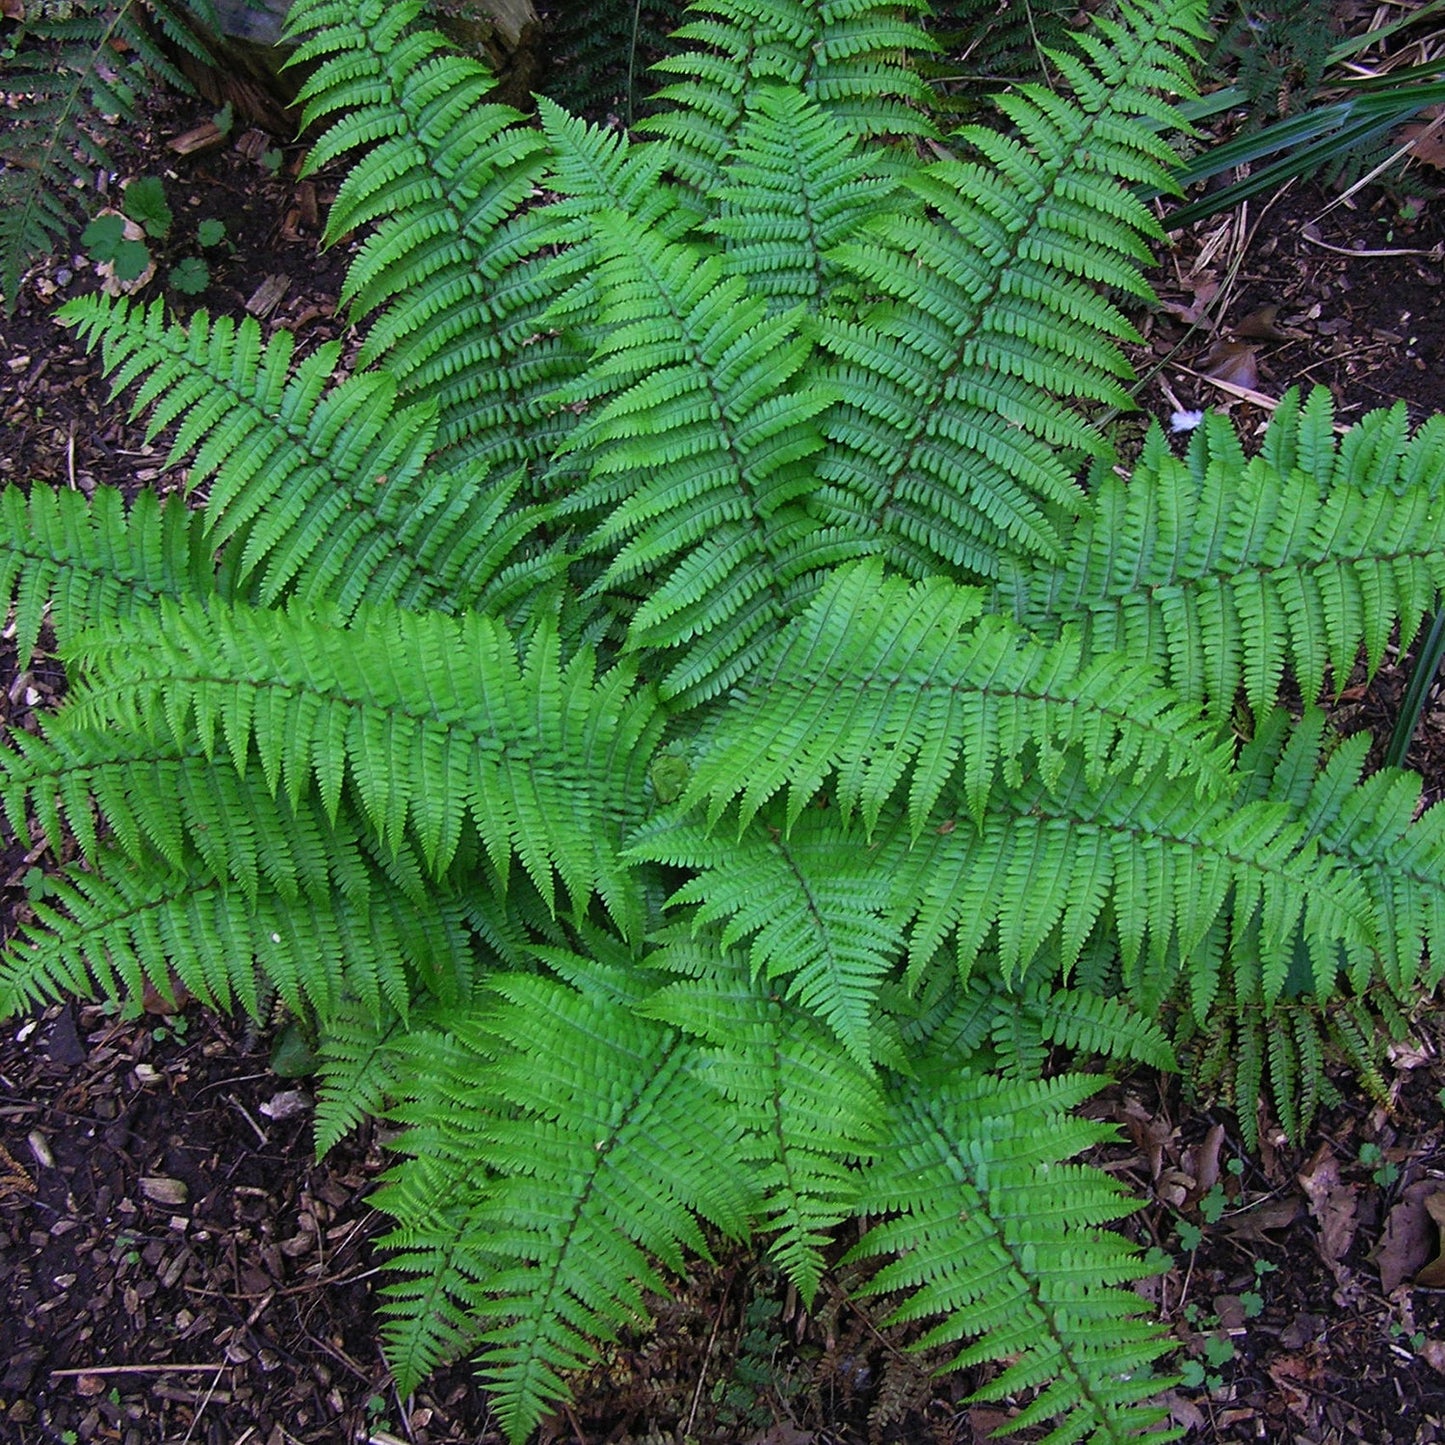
696,715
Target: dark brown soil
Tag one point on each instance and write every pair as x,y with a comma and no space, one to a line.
179,1268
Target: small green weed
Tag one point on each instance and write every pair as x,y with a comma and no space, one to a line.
112,237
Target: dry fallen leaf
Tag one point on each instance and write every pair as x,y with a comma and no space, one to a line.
1231,361
1260,326
1432,1276
1271,1214
1427,143
1409,1238
161,1190
1332,1203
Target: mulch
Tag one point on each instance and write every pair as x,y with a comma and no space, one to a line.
178,1267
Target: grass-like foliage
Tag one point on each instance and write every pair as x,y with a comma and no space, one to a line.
698,717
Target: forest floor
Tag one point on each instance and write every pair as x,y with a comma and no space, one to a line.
177,1266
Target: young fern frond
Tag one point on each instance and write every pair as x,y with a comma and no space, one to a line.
1226,572
815,904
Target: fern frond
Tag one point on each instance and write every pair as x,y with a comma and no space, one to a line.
453,265
76,561
950,443
110,931
807,1108
1166,864
846,55
701,419
360,1071
585,1149
1225,572
993,1232
881,677
317,490
797,186
436,723
815,903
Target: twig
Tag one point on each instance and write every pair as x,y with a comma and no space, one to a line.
201,1408
174,1368
1435,253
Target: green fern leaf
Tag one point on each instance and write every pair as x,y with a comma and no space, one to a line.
843,55
881,675
815,903
1226,572
992,1232
797,186
435,722
807,1107
602,1149
78,561
700,423
950,443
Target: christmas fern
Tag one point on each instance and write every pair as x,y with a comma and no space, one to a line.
697,715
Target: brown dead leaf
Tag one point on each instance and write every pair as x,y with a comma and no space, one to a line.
1433,1353
1427,143
1256,1223
986,1422
1332,1203
1292,1374
1232,362
12,10
1203,293
1409,1239
1432,1276
1260,325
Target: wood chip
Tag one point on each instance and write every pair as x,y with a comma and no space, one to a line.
161,1190
267,296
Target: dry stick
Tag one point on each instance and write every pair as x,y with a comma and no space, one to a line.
1434,253
201,1409
177,1368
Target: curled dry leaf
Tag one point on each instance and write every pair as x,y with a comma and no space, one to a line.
1232,361
1332,1202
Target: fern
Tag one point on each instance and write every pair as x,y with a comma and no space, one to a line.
1224,573
77,71
698,717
